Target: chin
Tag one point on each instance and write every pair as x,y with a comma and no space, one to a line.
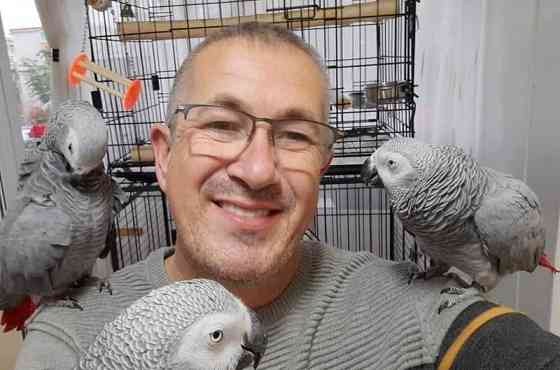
248,268
247,265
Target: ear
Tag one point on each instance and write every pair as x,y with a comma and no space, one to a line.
327,164
161,139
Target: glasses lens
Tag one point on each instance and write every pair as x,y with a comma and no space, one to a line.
302,144
224,133
217,131
300,135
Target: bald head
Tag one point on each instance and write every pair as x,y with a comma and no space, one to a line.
256,34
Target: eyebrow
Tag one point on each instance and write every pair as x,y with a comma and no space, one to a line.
230,101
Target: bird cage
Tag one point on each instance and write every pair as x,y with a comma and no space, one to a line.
368,50
3,202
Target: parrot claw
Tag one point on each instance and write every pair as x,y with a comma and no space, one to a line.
452,290
105,285
44,200
426,275
456,297
464,280
71,302
414,275
451,295
448,303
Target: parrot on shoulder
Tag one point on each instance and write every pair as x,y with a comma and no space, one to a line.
190,324
63,211
480,221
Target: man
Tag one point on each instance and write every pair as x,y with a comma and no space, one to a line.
242,191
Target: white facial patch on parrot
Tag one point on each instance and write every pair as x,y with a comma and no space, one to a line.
70,148
395,170
215,340
81,159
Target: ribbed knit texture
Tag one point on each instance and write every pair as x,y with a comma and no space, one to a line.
343,311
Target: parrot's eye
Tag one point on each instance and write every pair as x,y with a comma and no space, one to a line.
70,147
216,336
391,163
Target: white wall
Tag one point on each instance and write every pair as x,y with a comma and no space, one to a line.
11,143
488,80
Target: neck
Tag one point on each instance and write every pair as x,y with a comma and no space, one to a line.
254,294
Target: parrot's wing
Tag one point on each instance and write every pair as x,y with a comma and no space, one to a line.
510,223
35,239
110,241
120,198
30,162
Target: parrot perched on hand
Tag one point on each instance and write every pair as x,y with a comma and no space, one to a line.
64,207
463,215
190,324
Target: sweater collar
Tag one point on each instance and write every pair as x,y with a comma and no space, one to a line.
273,312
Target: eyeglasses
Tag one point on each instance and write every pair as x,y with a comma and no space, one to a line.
225,133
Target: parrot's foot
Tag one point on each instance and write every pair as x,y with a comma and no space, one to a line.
453,296
104,284
44,200
461,278
452,290
67,301
432,272
82,282
448,303
413,276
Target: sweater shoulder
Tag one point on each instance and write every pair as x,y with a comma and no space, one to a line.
334,261
77,327
382,320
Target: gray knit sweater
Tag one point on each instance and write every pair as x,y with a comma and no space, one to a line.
342,311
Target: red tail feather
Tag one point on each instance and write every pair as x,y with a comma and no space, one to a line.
545,262
14,318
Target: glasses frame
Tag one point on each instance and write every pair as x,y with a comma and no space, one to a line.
185,108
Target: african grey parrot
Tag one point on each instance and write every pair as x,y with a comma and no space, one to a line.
190,324
478,220
53,235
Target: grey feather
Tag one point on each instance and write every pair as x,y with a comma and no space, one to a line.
474,218
172,328
32,155
58,227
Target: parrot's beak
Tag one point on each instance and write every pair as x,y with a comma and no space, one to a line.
251,356
253,351
369,172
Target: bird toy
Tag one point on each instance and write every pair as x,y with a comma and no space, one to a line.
81,64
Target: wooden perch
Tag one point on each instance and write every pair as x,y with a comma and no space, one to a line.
300,18
142,153
77,73
130,231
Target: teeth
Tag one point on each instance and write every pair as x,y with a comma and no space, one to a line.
244,212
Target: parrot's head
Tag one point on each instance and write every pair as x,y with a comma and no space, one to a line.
395,165
80,135
223,339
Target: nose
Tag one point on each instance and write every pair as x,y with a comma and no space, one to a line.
256,166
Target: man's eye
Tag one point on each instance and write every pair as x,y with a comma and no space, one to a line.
222,126
294,136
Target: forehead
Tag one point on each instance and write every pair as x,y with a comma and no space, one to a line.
263,78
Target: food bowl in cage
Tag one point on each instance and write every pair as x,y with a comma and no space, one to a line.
358,99
380,93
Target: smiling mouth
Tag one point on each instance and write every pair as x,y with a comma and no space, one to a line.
247,213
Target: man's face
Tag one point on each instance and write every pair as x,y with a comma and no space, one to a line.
240,220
